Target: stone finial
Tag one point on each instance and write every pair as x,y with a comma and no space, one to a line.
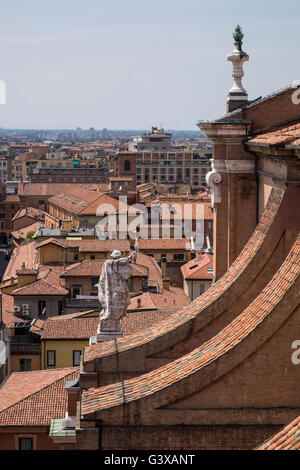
237,95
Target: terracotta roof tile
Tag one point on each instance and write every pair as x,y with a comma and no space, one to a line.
48,284
27,253
8,316
35,398
87,246
72,328
198,268
29,212
22,233
93,267
285,135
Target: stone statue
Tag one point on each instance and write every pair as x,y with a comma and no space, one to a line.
113,294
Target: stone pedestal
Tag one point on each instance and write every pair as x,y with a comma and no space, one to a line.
108,329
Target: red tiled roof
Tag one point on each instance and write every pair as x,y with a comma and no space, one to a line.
27,253
8,316
154,271
93,267
50,189
119,394
195,308
29,212
198,268
285,135
22,233
87,246
84,202
171,299
72,328
37,327
80,326
35,398
287,439
48,284
139,320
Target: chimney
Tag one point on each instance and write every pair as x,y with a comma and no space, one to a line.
166,283
139,303
237,96
26,276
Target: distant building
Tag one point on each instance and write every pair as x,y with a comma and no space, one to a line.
197,275
157,139
170,168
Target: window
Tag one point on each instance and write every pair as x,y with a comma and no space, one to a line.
178,257
51,358
75,257
75,291
76,357
41,307
92,257
94,281
127,165
179,175
25,443
25,365
202,289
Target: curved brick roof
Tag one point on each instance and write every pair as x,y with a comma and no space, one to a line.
287,439
187,314
181,370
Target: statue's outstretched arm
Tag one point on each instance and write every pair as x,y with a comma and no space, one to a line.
128,259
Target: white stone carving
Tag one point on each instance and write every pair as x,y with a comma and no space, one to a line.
213,180
113,294
237,57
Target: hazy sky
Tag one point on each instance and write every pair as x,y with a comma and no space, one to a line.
131,64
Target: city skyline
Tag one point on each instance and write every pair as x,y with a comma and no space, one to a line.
131,66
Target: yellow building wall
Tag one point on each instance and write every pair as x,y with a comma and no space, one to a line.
64,351
192,287
51,253
15,361
84,282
